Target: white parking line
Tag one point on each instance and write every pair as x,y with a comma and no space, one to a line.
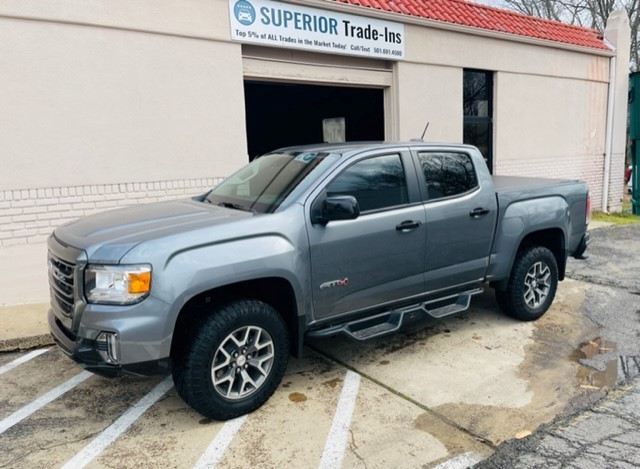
23,359
337,440
461,461
113,431
212,455
42,401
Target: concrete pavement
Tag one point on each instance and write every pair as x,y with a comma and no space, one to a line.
607,434
23,327
24,297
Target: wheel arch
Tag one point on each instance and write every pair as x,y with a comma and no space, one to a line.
553,239
275,291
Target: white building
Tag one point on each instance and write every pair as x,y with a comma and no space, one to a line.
105,104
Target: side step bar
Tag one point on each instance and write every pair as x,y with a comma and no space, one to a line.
390,321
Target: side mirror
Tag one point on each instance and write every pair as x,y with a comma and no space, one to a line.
337,207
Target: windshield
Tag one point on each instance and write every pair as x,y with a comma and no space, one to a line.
263,184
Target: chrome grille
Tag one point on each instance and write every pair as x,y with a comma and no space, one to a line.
61,284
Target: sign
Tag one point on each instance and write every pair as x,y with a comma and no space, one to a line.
285,25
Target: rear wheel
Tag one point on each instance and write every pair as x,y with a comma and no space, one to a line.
532,284
234,360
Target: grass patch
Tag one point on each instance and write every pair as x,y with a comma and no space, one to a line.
619,218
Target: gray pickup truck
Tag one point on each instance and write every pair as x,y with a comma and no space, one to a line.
355,239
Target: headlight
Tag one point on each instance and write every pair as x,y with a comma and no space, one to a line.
117,284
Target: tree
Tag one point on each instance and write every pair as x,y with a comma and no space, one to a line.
589,13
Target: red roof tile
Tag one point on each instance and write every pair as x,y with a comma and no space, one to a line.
485,17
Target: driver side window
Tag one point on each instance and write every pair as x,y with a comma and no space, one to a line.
377,183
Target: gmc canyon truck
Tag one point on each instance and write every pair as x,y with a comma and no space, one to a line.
355,239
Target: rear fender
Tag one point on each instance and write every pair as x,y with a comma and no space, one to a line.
544,221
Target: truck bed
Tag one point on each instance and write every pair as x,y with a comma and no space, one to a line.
517,183
516,188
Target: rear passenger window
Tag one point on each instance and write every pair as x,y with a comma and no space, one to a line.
376,183
447,174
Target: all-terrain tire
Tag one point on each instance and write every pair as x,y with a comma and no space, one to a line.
532,284
234,360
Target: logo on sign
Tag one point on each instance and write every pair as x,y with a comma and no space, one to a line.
244,12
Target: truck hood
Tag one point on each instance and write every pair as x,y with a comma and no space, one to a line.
108,236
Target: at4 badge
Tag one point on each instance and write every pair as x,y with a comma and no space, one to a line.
343,282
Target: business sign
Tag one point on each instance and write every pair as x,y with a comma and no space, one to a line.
285,25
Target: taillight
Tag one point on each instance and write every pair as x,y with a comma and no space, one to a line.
588,214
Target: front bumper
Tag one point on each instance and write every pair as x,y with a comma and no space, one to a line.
143,330
85,352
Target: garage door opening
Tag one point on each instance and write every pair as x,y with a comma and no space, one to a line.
280,114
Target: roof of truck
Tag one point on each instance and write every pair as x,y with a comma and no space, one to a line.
348,147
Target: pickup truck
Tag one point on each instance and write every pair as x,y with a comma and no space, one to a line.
356,239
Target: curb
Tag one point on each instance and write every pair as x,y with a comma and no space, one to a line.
24,327
21,344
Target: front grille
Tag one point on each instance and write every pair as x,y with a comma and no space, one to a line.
61,283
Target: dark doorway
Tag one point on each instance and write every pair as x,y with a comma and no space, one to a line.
280,114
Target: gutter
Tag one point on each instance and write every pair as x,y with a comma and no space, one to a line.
608,146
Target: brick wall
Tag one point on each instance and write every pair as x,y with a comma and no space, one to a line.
30,215
587,168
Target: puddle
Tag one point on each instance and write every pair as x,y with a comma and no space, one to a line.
297,397
594,379
592,348
614,371
332,383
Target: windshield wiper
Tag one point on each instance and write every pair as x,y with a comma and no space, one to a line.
235,206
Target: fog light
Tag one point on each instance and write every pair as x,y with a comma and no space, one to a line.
107,347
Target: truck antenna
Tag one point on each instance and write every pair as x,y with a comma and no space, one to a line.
425,131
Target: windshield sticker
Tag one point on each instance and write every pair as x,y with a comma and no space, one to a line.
306,157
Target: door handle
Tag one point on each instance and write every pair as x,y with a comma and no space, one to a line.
478,212
408,225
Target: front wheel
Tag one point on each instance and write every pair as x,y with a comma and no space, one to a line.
234,361
532,284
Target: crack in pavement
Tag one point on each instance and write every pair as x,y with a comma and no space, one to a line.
353,447
49,447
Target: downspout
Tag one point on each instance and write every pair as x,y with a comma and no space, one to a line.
609,136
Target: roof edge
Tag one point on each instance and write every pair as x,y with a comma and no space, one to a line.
519,14
338,6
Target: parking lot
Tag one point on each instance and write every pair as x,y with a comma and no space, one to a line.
438,392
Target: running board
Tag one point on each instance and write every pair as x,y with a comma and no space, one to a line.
390,321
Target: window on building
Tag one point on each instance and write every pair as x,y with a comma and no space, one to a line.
447,174
478,112
376,183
